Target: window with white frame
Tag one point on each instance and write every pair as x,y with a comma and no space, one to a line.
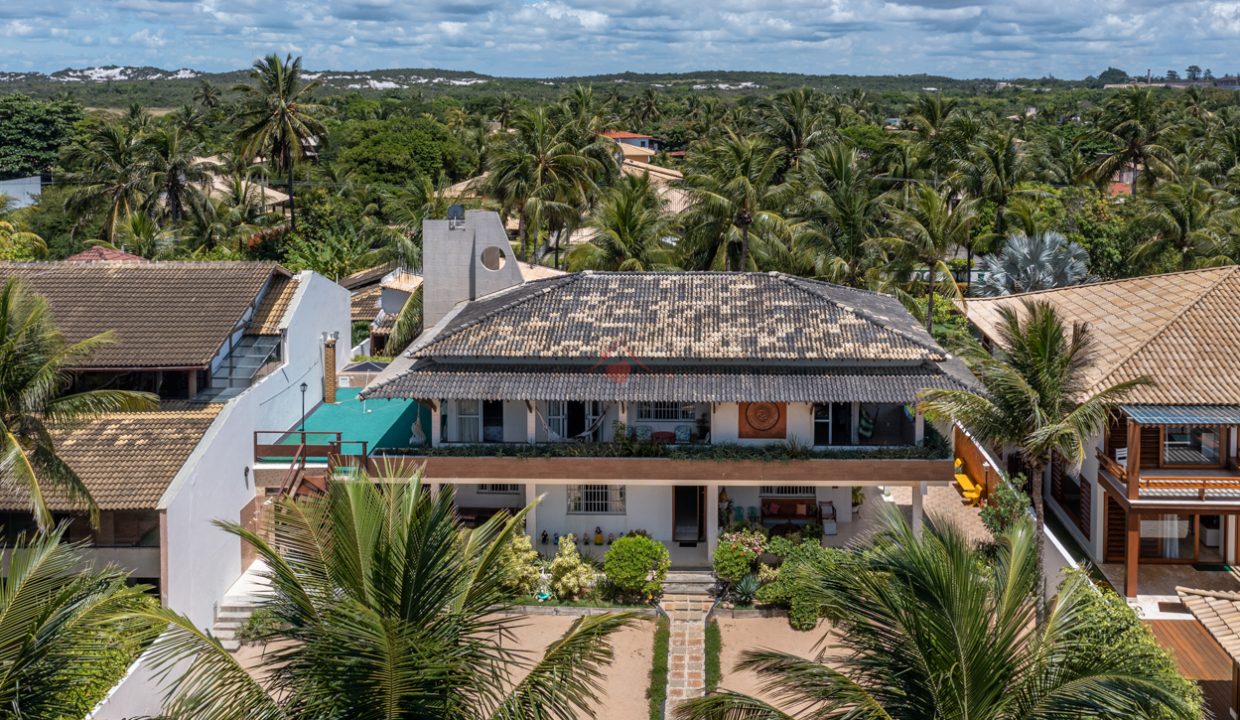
596,499
666,411
468,420
776,491
499,489
557,419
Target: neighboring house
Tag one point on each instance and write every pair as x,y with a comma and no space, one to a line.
103,253
227,346
1161,485
771,396
21,192
631,139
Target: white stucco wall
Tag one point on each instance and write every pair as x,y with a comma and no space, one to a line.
725,425
646,508
203,561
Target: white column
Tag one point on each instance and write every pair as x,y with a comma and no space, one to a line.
918,511
436,424
531,515
919,430
531,422
712,520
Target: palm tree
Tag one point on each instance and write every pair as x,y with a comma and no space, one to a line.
795,122
992,171
928,121
631,229
730,184
36,358
930,631
1027,263
1037,395
838,194
928,228
106,168
384,606
207,95
646,108
1187,221
1133,127
545,174
173,170
278,119
60,626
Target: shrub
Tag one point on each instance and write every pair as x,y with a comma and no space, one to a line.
745,589
1107,629
736,554
657,692
519,566
795,581
1005,506
637,565
571,576
714,649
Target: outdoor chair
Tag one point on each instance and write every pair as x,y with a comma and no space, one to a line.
826,513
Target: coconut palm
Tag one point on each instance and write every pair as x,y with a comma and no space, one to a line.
630,231
1027,263
106,170
794,121
278,119
207,94
174,171
992,172
1037,396
927,230
35,358
60,626
18,244
839,195
1188,225
931,631
1133,128
384,606
730,184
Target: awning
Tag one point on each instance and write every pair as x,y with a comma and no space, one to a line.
1183,414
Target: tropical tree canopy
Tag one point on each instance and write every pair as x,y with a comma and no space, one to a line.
385,606
1026,264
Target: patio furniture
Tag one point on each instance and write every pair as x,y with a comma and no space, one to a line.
643,432
789,509
826,515
752,514
738,513
683,434
665,437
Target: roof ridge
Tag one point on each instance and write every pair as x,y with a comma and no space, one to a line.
1099,283
1171,321
863,313
1216,594
561,280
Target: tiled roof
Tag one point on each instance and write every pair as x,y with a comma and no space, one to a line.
164,314
1219,612
693,317
623,135
365,303
369,276
631,382
269,315
1180,329
402,280
103,253
126,460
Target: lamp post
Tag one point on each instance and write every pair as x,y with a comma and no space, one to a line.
304,388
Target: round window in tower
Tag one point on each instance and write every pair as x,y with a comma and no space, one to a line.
493,258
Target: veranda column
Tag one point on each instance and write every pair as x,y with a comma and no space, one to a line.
919,430
531,422
918,511
1132,550
712,521
531,517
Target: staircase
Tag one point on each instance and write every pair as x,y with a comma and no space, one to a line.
695,583
232,615
239,368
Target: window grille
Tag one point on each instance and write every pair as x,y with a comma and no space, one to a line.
596,499
667,411
557,418
499,489
787,491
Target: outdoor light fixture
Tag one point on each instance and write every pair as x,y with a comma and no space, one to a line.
304,388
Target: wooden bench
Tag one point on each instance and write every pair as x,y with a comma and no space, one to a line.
969,490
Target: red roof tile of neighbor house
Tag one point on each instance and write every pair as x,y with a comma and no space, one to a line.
103,253
624,135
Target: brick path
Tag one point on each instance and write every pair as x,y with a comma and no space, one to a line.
686,677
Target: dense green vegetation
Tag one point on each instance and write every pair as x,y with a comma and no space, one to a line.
657,692
872,182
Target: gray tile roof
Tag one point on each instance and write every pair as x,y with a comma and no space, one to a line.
702,337
623,381
693,317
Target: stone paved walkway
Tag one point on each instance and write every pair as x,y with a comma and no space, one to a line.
686,677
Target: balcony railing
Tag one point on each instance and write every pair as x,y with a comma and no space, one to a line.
1176,480
303,445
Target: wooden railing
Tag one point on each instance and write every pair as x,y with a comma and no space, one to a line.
976,462
279,445
296,471
1187,481
1113,468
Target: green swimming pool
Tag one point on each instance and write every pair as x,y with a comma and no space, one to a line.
380,423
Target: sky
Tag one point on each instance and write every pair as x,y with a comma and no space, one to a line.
547,38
